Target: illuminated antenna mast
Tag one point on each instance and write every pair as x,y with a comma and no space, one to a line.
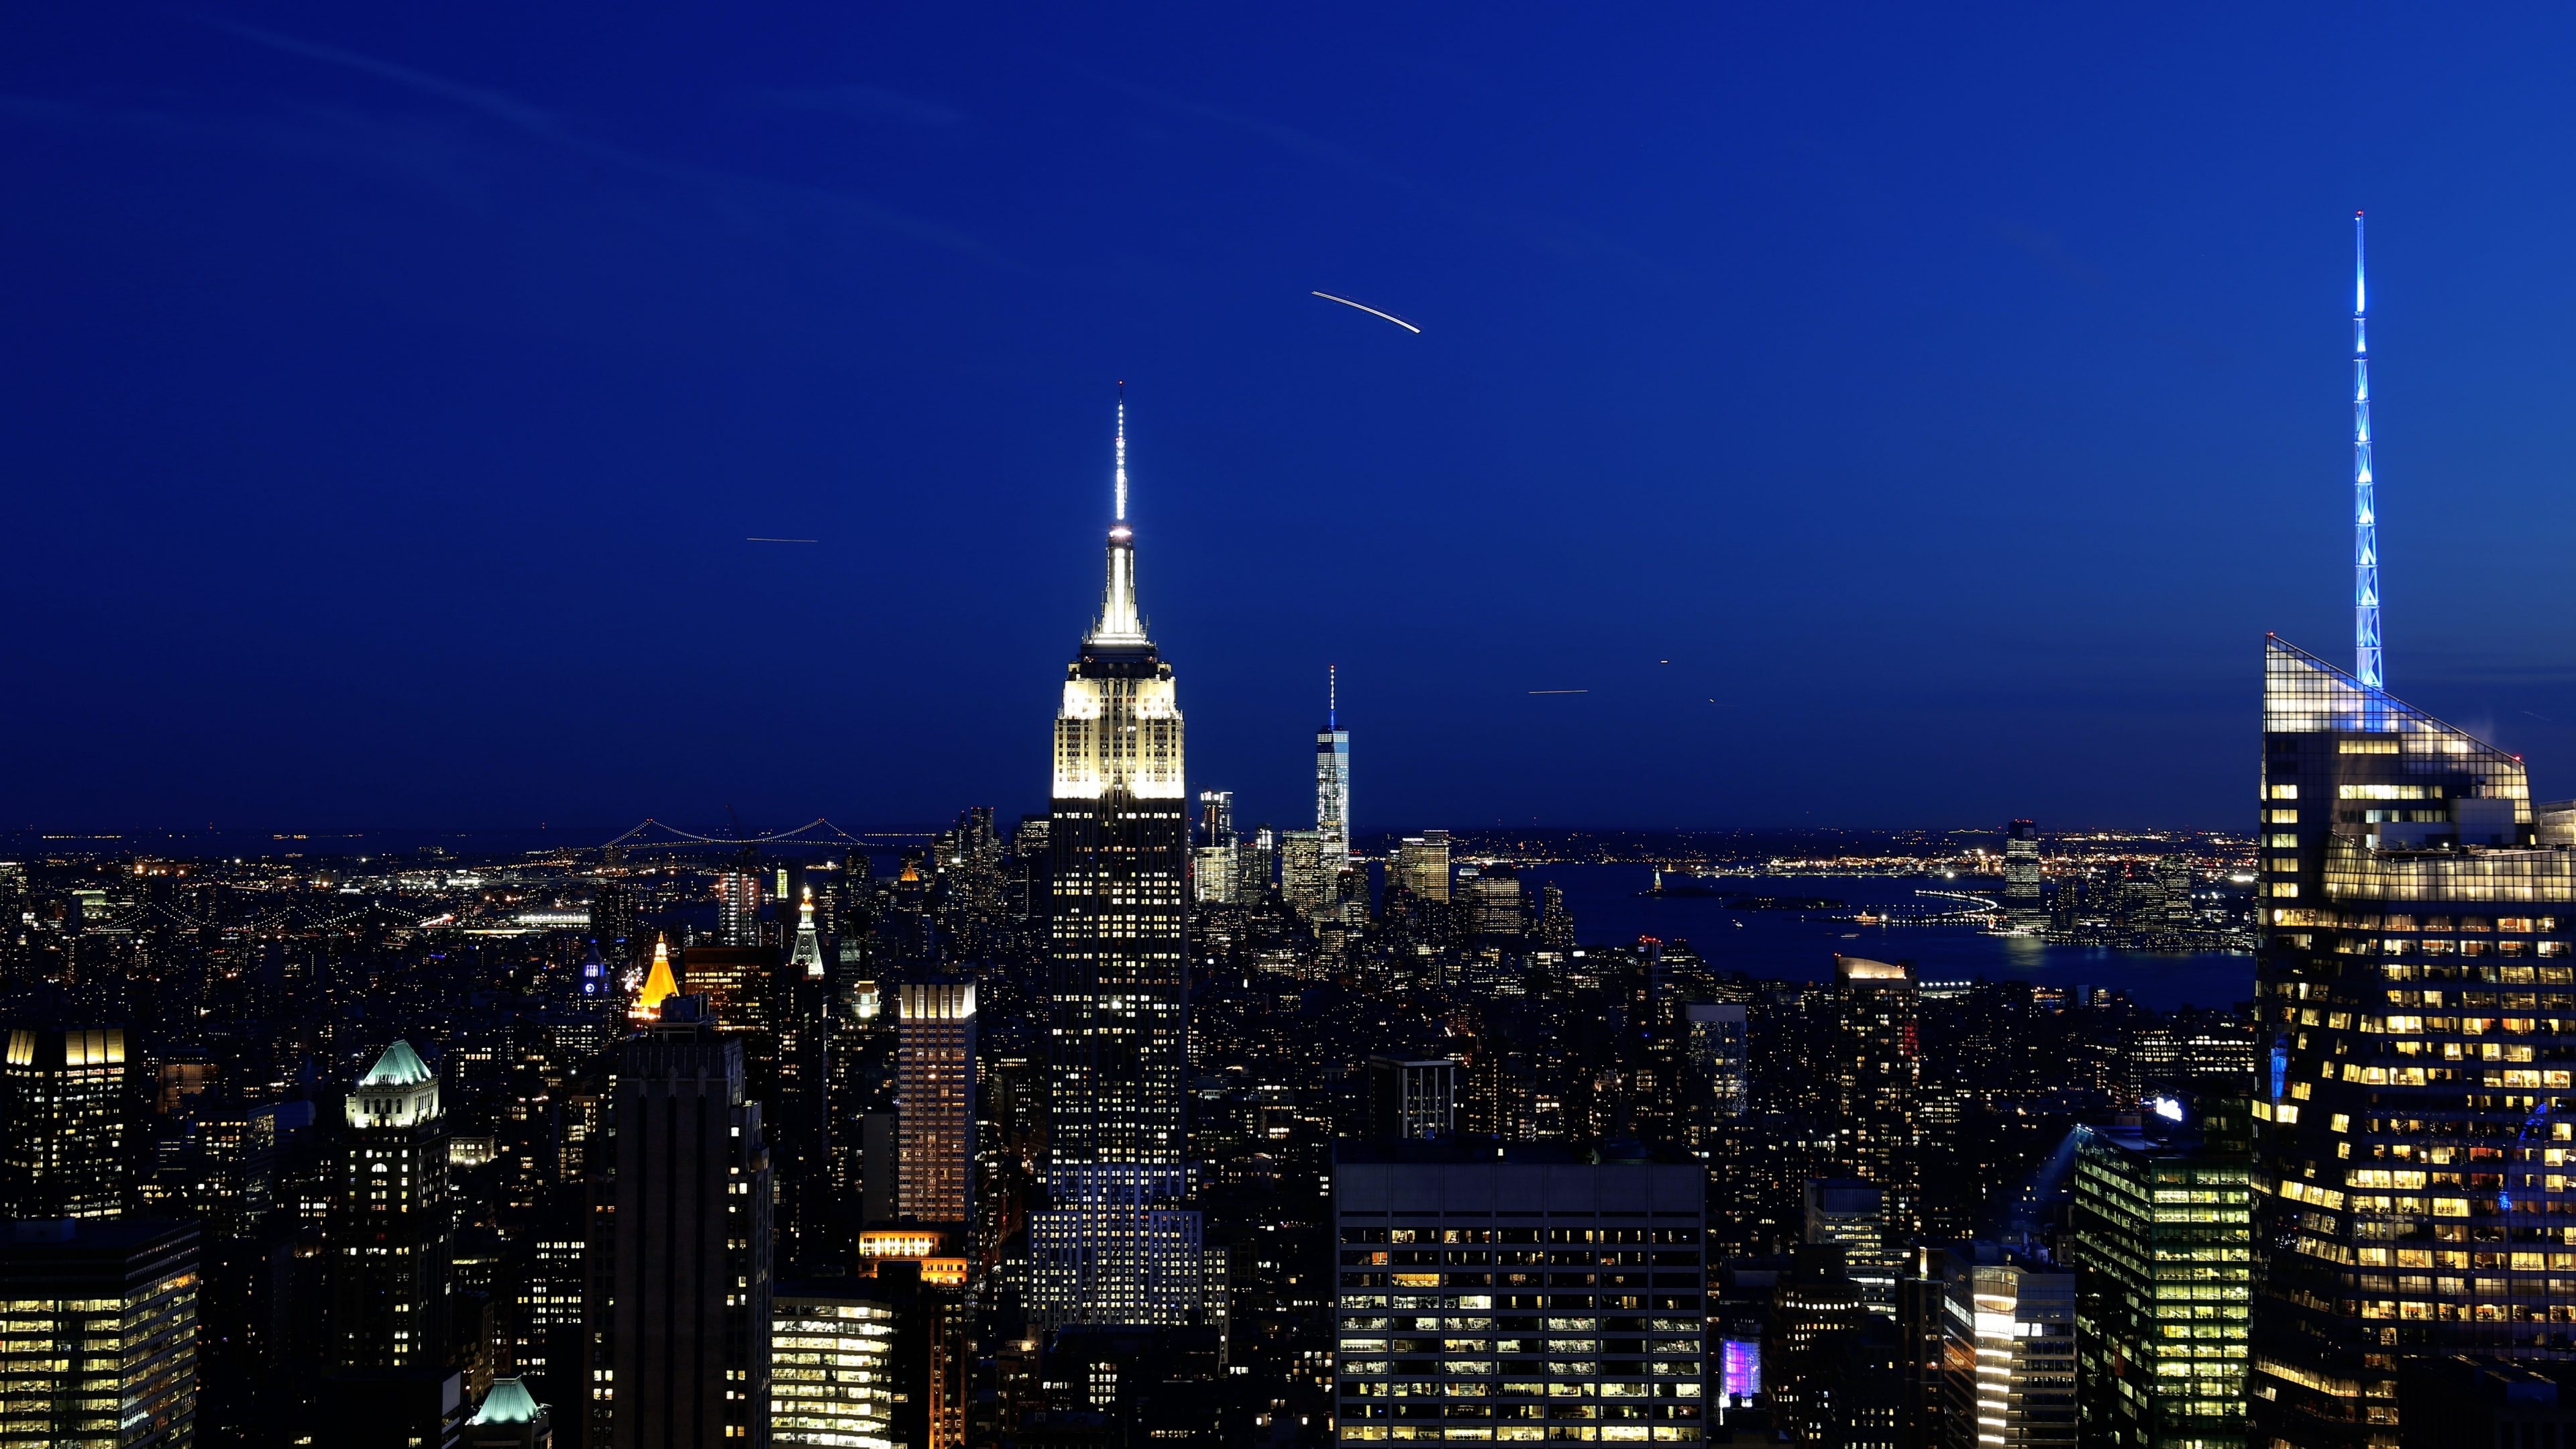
1122,452
2367,665
1332,696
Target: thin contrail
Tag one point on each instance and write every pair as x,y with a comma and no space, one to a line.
1372,311
1560,691
782,540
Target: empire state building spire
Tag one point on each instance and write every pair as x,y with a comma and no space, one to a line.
1120,624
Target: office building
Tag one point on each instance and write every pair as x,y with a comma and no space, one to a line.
98,1333
679,1310
935,1100
1420,864
1305,885
812,1217
1412,1097
2162,1245
2418,990
1851,1215
63,1122
737,982
1492,898
2008,1350
389,1236
2025,910
1216,818
1333,781
1118,1243
2455,1400
1876,1061
1830,1364
1522,1290
833,1359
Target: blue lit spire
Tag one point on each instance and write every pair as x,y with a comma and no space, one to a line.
2366,660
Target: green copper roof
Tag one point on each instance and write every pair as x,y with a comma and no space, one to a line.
400,1066
509,1402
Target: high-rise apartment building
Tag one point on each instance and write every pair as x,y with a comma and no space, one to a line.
1517,1288
679,1312
1493,902
1876,1062
62,1122
2163,1249
98,1334
390,1234
1718,1048
935,1100
1333,781
2024,908
738,893
2418,991
1118,1244
1420,864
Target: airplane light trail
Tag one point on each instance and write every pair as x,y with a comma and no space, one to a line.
1372,311
1560,691
782,540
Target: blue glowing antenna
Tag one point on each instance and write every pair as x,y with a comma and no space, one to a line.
2367,665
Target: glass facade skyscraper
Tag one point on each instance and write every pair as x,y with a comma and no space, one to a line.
1876,1062
2418,996
1333,784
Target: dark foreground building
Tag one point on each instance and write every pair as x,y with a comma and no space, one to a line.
1526,1289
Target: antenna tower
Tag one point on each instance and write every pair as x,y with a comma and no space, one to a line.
2367,665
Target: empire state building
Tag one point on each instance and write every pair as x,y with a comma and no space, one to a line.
1117,1244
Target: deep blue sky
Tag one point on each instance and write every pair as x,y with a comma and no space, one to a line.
1954,399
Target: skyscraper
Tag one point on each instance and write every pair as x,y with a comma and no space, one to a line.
101,1339
1421,865
1117,1246
1213,873
1412,1097
63,1122
738,902
1333,780
1876,1059
935,1100
2023,908
833,1366
2009,1351
2417,985
679,1311
2164,1256
389,1232
1305,883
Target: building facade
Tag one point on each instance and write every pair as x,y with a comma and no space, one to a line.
935,1100
2418,999
1517,1292
832,1368
679,1310
2008,1351
2024,908
98,1334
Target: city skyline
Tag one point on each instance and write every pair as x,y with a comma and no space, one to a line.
2044,432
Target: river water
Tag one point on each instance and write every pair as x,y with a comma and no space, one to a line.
1609,908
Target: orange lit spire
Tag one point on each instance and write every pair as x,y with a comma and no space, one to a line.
658,984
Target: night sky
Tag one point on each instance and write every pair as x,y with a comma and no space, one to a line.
1954,400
